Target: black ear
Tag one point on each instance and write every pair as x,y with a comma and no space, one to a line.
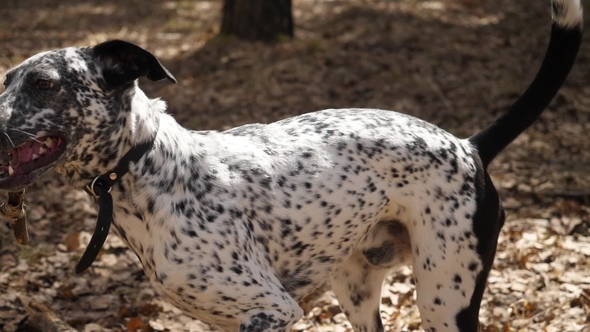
124,62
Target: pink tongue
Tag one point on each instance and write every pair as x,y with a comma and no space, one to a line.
25,154
36,147
14,160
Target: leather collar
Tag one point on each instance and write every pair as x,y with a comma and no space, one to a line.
100,188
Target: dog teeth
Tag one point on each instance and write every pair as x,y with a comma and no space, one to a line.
49,142
34,156
10,170
42,150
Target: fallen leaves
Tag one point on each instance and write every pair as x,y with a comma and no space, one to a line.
136,324
150,309
72,241
388,54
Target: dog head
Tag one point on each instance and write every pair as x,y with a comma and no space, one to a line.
72,109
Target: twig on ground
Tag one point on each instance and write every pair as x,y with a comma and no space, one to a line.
41,319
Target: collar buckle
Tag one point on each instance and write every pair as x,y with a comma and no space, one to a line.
90,188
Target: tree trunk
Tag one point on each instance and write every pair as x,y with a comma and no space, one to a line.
257,19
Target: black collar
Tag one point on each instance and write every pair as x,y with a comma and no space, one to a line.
100,188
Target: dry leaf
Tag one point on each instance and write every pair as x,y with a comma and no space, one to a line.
150,309
72,241
136,324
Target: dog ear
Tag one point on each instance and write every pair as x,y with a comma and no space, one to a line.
123,62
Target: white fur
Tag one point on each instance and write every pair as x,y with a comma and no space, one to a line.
572,15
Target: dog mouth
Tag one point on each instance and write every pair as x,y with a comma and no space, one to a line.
18,165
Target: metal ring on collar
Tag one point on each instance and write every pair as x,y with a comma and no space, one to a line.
90,188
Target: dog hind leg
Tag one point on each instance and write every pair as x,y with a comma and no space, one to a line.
357,286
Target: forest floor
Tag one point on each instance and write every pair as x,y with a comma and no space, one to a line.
456,63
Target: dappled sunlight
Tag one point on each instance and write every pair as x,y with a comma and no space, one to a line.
455,63
444,11
86,9
450,12
183,26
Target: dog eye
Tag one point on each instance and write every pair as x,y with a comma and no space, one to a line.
44,84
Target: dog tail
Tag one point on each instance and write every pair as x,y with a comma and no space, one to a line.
566,36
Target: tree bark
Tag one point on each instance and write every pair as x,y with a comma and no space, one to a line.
264,20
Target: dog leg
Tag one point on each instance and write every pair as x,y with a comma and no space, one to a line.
446,273
271,320
357,286
269,307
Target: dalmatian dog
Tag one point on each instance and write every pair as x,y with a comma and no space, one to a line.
236,227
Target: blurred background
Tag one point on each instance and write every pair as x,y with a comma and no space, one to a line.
456,63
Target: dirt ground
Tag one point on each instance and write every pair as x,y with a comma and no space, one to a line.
456,63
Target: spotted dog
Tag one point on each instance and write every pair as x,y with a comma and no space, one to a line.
236,227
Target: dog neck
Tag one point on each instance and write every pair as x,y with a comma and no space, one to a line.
140,124
144,118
